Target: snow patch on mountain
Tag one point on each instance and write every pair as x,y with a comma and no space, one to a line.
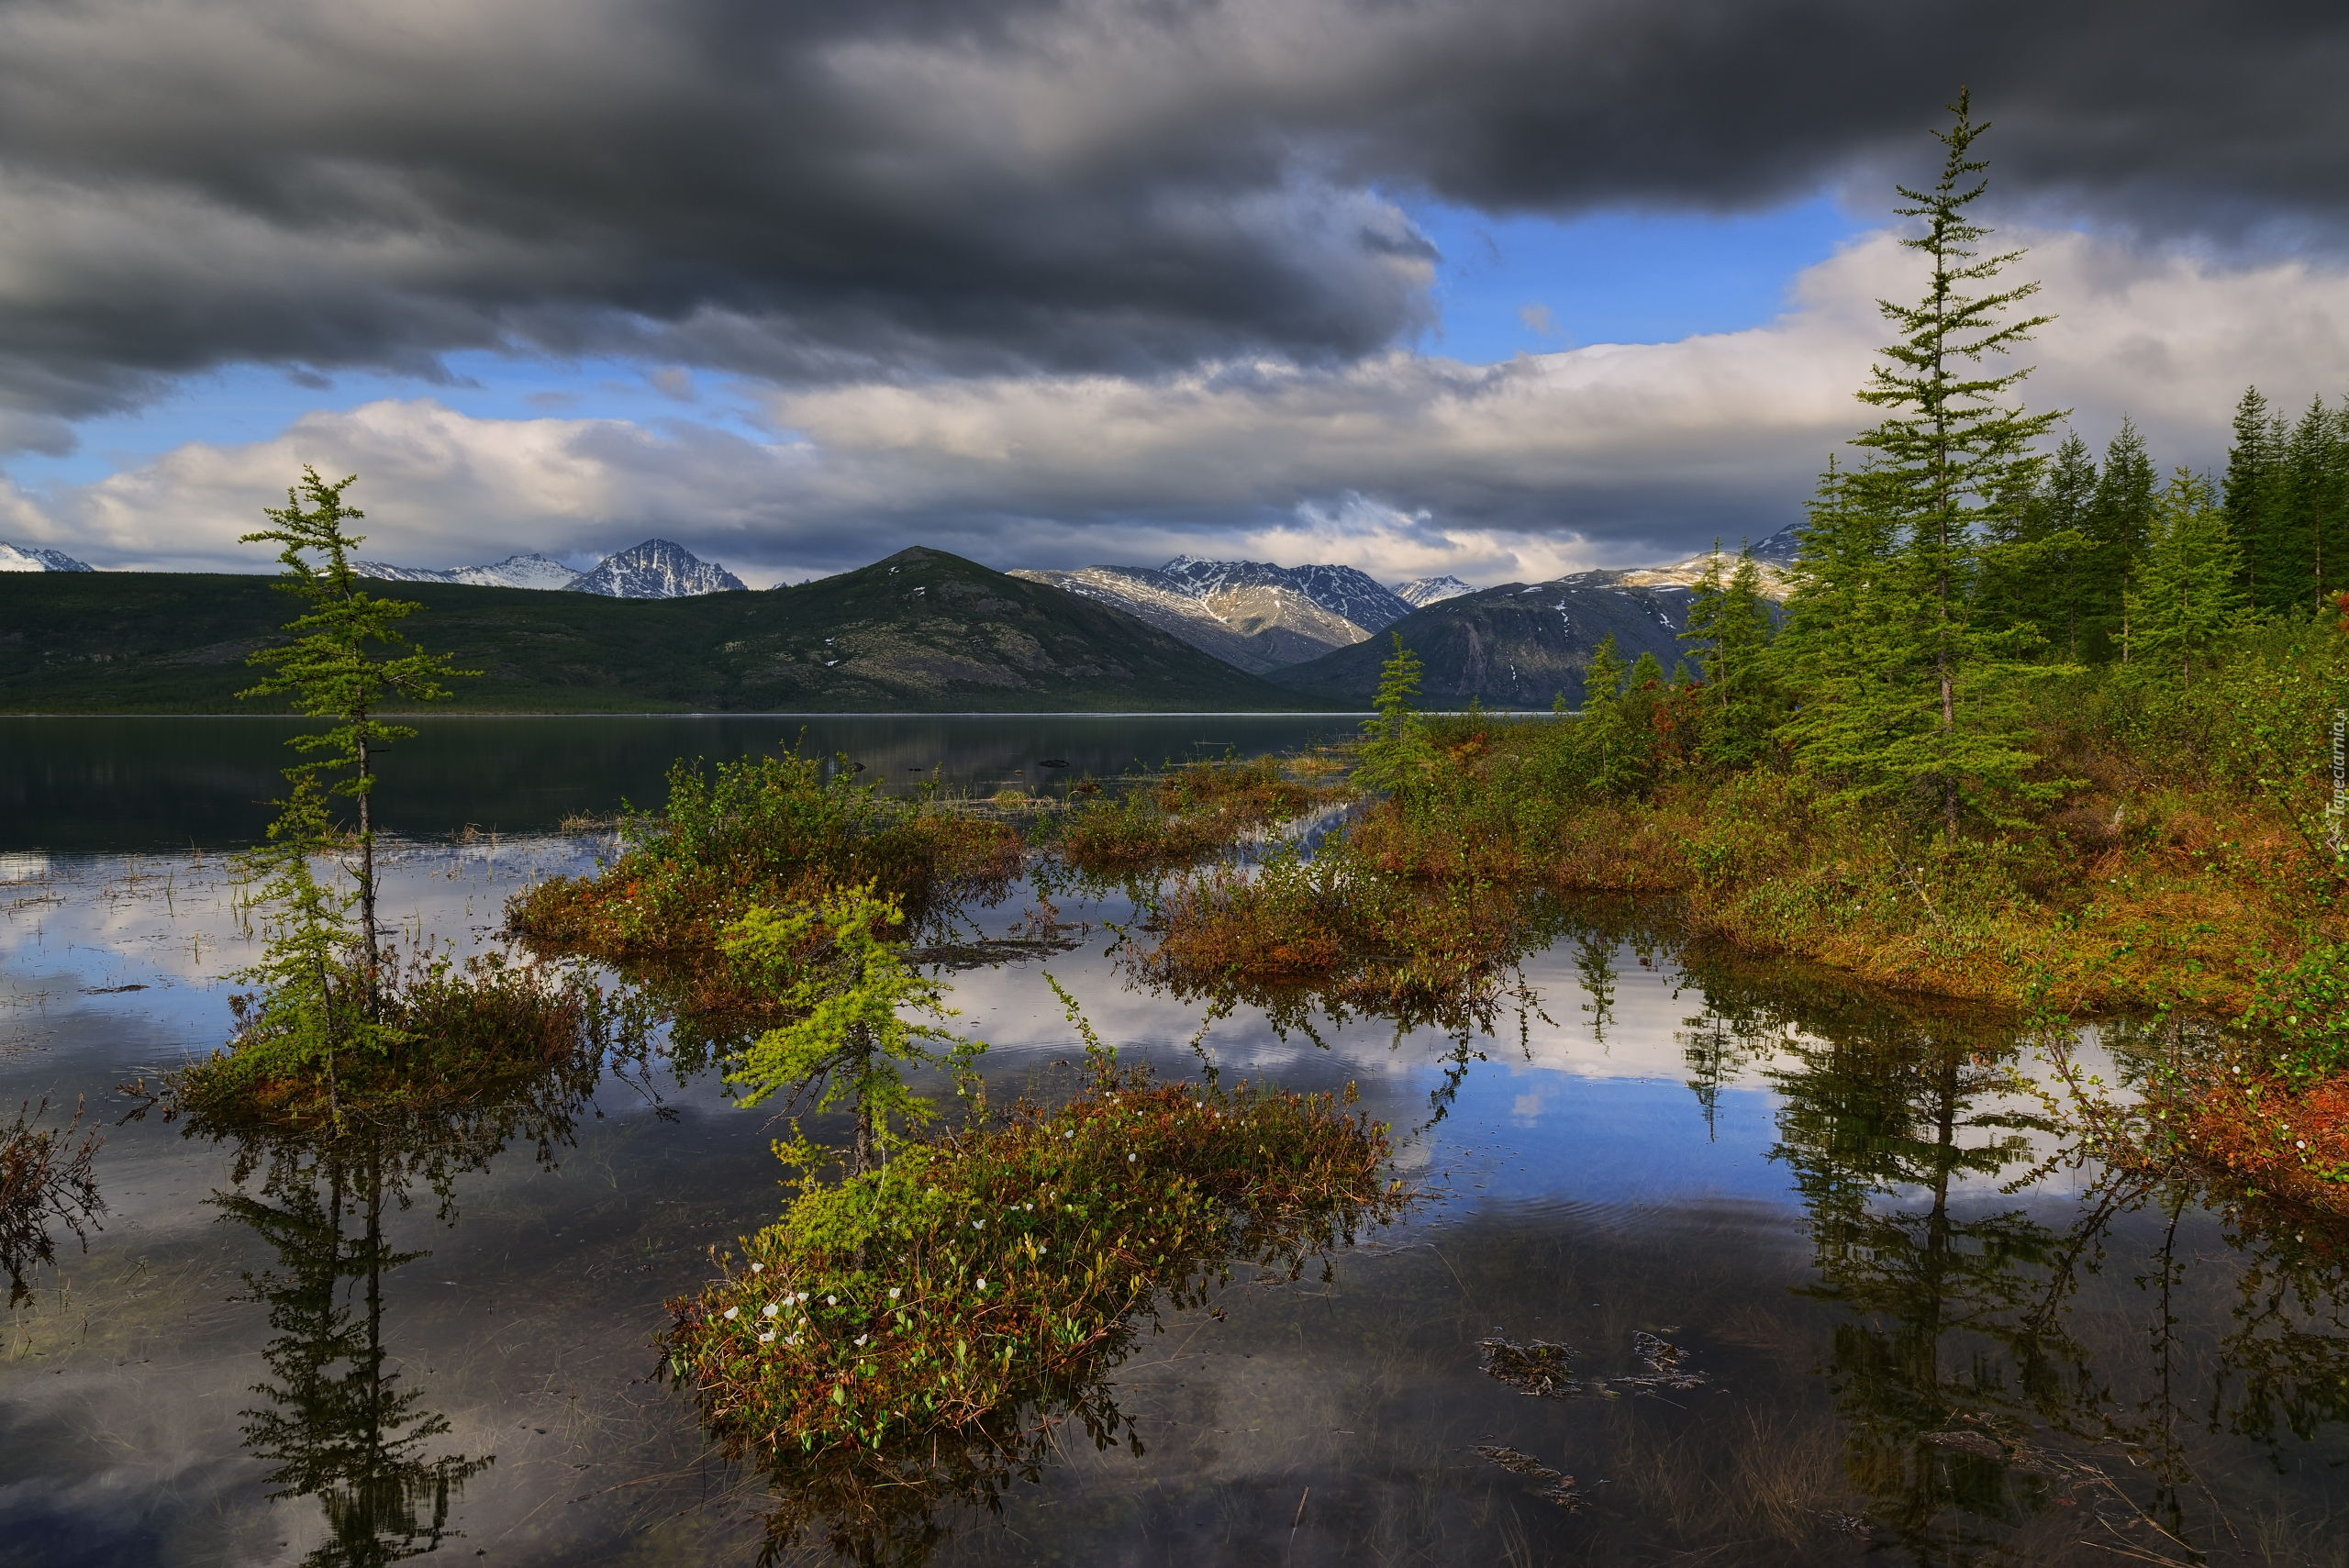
32,558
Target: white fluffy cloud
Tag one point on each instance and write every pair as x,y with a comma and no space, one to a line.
1402,463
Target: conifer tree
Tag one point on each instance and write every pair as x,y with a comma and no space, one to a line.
1951,459
1612,753
1732,629
849,991
1396,748
2042,570
2256,504
346,664
1845,653
2313,493
2120,520
2187,592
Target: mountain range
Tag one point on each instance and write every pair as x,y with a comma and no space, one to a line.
653,570
1316,629
920,631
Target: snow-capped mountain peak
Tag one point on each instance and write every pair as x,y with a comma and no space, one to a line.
32,558
1342,591
655,570
1422,592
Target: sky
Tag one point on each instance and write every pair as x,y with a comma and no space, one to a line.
1493,288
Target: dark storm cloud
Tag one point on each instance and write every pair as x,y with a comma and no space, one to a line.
840,191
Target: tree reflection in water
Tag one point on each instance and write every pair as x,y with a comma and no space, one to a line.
1986,1415
338,1421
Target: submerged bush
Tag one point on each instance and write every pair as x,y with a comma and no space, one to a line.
933,1312
45,1179
763,830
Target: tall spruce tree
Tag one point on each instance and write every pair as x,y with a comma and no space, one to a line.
2312,491
1950,459
1844,651
1731,628
350,658
2120,519
2187,592
2256,504
2044,564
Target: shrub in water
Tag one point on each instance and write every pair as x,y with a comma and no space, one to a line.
958,1297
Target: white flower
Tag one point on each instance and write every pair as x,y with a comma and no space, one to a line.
2299,1143
758,1268
982,1285
769,1310
731,1312
1129,1159
831,1301
767,1338
861,1338
893,1293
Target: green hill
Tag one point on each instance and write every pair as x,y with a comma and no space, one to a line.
922,631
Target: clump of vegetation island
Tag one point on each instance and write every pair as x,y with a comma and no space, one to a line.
1189,814
908,1327
914,1328
763,831
2028,731
336,1026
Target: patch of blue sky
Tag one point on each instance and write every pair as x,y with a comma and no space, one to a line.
239,404
1531,284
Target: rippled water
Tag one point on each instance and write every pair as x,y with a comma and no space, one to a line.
1803,1188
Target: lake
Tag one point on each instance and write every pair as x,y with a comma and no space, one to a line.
1902,1322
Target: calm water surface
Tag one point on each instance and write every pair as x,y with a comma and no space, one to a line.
1916,1338
96,785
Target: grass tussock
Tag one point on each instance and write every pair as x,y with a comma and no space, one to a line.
448,1035
1356,936
771,831
915,1326
1190,814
